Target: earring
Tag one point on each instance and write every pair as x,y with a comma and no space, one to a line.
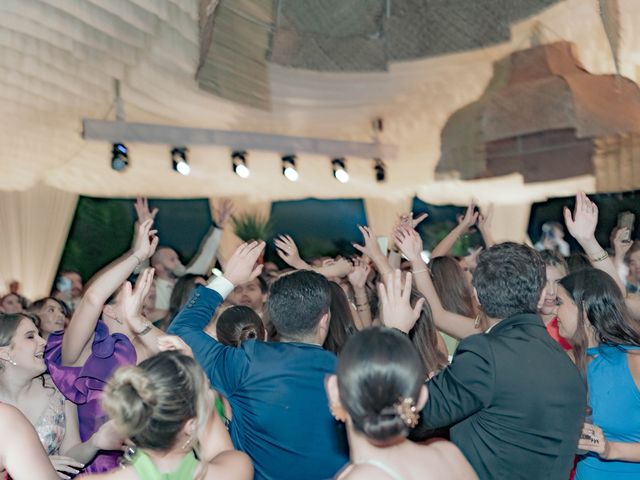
338,412
187,444
12,362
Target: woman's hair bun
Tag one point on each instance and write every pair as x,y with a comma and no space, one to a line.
386,425
129,399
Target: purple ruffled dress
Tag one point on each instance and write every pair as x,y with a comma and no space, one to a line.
83,385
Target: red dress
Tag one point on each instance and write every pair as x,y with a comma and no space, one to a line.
554,331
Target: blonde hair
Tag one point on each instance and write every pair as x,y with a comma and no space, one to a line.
151,402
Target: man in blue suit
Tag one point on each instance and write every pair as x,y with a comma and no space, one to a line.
276,390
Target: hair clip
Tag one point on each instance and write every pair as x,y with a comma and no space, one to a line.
408,412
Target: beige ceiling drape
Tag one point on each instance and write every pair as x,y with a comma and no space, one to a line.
33,230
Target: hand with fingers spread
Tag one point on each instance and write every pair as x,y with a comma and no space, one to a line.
358,276
241,267
409,243
405,221
142,210
409,221
146,241
395,299
172,342
371,248
222,213
470,217
288,251
582,224
65,466
133,299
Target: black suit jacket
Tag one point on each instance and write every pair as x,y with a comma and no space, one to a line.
515,401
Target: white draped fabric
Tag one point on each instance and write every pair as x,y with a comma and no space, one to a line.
33,230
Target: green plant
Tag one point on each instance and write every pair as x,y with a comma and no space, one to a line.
252,226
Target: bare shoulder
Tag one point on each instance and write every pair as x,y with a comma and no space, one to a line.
453,461
127,473
231,464
10,416
363,472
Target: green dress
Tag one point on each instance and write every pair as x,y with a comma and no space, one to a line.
146,470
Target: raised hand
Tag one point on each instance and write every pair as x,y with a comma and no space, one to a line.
65,465
146,241
358,276
222,213
621,246
133,299
582,225
241,267
409,243
172,342
142,210
371,248
288,251
470,217
395,300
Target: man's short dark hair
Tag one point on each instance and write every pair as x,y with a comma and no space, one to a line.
509,280
297,302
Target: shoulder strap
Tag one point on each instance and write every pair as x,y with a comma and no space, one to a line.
381,466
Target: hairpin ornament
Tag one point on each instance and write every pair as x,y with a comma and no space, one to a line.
408,412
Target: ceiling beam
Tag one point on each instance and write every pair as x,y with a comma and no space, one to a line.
114,132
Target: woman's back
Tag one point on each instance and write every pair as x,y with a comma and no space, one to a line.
438,460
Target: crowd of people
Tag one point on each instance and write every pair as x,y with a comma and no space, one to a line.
509,363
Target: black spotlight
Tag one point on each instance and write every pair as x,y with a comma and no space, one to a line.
239,164
179,160
340,170
380,170
119,157
289,168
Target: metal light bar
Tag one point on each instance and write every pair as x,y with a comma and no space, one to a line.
111,131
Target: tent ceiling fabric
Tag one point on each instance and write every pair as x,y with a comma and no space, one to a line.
365,35
58,60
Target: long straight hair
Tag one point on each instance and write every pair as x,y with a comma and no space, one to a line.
452,288
424,337
341,324
600,302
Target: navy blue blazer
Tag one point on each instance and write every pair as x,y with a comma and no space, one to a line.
281,417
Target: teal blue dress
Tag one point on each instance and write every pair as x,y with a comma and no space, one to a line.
615,401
